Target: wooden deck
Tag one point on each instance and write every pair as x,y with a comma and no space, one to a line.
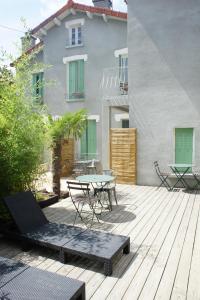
164,262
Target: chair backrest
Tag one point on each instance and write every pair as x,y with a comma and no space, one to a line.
108,172
76,185
156,165
25,211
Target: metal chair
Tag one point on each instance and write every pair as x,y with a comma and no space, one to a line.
109,188
80,195
91,169
163,176
196,176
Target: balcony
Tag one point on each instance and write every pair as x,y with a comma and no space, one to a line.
114,82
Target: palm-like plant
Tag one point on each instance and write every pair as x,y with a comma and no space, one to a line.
69,125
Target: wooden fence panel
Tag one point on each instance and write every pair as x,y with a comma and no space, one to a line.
67,157
123,154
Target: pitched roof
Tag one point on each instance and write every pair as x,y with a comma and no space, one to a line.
81,7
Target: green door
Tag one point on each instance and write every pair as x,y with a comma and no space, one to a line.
183,145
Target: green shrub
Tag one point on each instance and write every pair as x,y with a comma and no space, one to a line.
22,128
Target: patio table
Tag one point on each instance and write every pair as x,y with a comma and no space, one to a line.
99,180
180,174
93,178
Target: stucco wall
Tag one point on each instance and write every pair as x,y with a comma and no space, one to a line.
100,40
164,80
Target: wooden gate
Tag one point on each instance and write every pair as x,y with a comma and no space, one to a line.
67,157
123,154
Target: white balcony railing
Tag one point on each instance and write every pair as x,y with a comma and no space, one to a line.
114,82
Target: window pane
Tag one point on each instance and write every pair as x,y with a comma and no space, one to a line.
125,123
73,36
79,35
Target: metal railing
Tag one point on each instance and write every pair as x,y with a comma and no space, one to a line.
114,81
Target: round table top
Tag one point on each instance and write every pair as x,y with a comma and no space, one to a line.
93,178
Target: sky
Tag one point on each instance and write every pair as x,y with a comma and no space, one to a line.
33,12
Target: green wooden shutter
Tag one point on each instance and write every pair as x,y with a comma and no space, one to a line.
84,145
81,77
88,141
37,86
41,85
34,85
183,145
72,79
92,139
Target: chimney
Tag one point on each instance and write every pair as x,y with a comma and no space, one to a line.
103,3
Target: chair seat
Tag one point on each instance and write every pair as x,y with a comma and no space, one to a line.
165,174
82,199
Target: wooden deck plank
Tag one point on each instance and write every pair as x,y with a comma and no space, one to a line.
193,292
182,276
155,274
156,230
166,279
139,238
164,228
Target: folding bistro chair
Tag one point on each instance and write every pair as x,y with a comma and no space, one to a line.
109,188
80,195
163,176
196,175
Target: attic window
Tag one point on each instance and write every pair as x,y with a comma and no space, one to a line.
75,36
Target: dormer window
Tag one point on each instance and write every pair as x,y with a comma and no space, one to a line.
75,32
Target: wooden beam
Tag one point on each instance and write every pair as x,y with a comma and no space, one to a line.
43,31
73,12
89,14
57,21
105,18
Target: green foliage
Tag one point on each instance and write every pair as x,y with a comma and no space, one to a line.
69,125
22,126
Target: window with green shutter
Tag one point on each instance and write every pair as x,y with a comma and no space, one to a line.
88,141
76,79
37,82
183,145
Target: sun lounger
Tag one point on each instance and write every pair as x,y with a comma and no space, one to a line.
33,227
21,282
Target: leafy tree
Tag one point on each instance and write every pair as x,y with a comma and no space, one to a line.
69,125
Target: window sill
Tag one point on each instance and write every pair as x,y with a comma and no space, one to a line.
75,100
74,46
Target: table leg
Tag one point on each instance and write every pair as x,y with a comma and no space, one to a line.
180,177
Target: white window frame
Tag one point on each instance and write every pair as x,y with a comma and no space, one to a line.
123,51
75,24
76,40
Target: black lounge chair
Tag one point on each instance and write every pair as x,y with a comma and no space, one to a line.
21,282
33,227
